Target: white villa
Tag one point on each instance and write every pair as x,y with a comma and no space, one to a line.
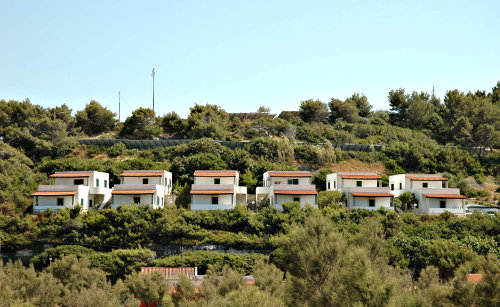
143,187
88,189
431,192
216,190
288,186
361,190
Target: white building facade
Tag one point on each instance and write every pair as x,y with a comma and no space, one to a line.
361,190
89,189
149,187
431,191
217,190
288,186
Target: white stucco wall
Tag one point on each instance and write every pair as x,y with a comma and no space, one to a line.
331,182
284,180
365,183
210,180
146,199
138,180
278,199
394,184
41,203
363,202
204,202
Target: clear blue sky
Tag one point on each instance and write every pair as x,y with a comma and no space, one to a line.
242,54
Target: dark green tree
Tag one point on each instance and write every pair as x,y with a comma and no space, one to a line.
95,118
142,124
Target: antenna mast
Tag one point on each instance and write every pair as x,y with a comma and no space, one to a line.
119,107
153,75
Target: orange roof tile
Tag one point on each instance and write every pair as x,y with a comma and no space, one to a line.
425,178
215,173
474,278
210,192
54,193
70,175
289,174
449,196
371,194
291,192
359,176
142,174
126,192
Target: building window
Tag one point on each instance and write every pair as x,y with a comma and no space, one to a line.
217,181
392,186
442,204
90,203
425,185
335,184
81,202
296,199
378,184
371,202
293,181
78,181
122,180
158,200
36,200
359,183
137,199
328,185
215,200
400,185
145,181
443,184
105,183
60,201
97,182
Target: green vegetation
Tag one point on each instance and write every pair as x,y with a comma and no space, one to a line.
330,255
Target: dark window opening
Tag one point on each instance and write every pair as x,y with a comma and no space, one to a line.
297,199
145,181
97,182
425,185
78,181
442,204
217,181
328,185
137,200
400,185
371,202
359,183
105,183
215,200
60,201
90,203
392,186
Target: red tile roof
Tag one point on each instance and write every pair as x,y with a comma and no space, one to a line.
54,193
212,192
449,196
425,178
371,194
71,175
215,173
142,174
291,192
289,174
127,192
474,278
359,176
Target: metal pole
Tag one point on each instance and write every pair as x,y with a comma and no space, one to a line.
153,75
119,107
